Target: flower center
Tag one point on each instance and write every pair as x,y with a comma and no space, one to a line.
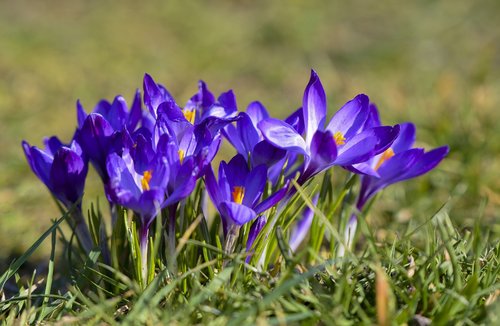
145,180
238,194
384,157
339,138
182,154
189,115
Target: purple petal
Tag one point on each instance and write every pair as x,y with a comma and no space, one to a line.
323,151
81,115
358,149
212,186
257,112
232,135
52,145
149,205
265,153
405,139
296,120
237,171
314,106
373,119
135,114
236,213
40,163
254,231
271,200
351,117
282,135
427,162
67,174
254,185
249,135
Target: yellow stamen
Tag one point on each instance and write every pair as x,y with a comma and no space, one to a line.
181,155
339,138
238,194
384,157
189,115
145,180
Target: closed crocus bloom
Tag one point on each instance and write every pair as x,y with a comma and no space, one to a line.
63,169
343,141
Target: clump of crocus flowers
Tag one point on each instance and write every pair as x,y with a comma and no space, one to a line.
156,162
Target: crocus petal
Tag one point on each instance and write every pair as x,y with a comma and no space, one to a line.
236,213
232,135
405,139
254,231
314,106
52,145
135,114
358,149
323,151
123,185
95,140
161,172
373,119
427,162
296,120
266,153
81,115
149,205
67,174
399,164
154,94
271,200
236,171
254,185
351,117
282,135
212,186
248,133
40,162
185,181
257,112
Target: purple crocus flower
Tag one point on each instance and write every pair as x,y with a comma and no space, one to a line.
343,141
397,163
116,114
107,129
237,194
199,108
247,138
63,169
141,190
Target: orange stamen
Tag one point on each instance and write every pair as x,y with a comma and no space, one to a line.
238,194
384,157
339,138
145,180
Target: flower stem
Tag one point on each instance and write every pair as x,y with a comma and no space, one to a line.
172,257
143,244
349,233
81,230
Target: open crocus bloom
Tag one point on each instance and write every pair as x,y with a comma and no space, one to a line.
237,194
399,162
343,141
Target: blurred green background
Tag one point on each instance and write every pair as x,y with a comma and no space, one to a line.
436,63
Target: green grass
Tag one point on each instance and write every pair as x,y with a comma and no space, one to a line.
431,62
